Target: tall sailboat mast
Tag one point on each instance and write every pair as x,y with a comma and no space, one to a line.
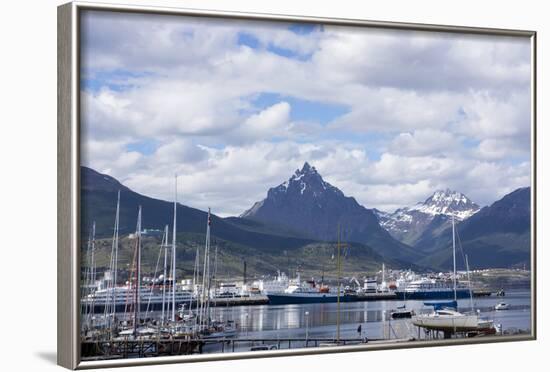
137,285
91,282
339,289
115,246
383,276
93,276
469,283
454,257
205,274
165,251
174,251
196,280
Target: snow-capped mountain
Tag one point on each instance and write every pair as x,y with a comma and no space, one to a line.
409,223
499,235
447,202
312,206
305,185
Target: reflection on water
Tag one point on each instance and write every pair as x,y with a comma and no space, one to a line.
320,319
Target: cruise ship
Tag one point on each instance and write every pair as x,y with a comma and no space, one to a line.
277,285
427,288
123,297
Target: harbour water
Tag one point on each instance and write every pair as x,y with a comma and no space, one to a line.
319,321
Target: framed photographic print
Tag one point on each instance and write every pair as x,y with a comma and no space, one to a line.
235,185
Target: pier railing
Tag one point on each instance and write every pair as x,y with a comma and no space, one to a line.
140,348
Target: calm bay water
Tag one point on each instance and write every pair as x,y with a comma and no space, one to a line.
284,321
318,321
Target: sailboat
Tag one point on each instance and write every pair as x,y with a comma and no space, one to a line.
134,331
90,285
207,327
445,316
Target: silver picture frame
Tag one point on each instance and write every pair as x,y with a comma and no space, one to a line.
68,181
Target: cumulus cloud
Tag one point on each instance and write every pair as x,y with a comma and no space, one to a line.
234,107
424,142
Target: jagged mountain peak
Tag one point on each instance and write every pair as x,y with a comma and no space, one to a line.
312,206
305,182
306,169
447,202
446,196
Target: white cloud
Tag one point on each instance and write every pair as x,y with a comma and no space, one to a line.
424,142
271,122
498,149
424,110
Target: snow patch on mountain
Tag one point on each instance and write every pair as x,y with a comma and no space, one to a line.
408,223
446,202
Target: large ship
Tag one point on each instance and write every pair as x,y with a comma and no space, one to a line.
277,285
308,292
427,288
123,298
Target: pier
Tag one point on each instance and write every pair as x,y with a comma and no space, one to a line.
152,347
377,296
99,308
138,348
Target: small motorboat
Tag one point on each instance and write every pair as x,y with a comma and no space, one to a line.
401,312
502,306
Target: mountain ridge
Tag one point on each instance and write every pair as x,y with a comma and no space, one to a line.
263,247
306,202
498,235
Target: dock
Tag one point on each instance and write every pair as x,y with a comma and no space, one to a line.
153,347
155,306
140,348
378,296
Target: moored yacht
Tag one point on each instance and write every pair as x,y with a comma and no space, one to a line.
445,315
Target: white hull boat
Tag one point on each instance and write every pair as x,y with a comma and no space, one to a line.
447,320
502,306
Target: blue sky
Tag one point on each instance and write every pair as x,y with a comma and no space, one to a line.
236,106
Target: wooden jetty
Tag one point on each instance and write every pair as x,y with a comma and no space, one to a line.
231,344
139,348
152,347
